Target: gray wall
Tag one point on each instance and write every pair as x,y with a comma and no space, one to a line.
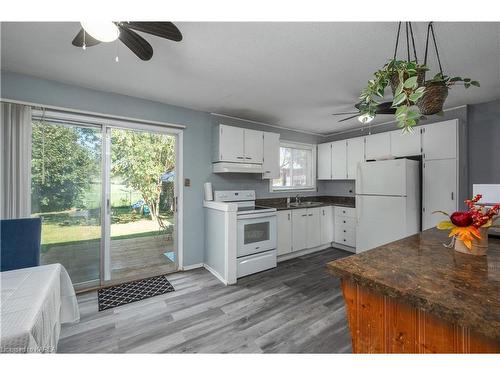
197,141
237,181
459,113
484,143
196,136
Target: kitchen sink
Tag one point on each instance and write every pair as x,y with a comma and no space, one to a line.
305,204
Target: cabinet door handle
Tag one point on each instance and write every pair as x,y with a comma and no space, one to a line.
343,221
268,172
239,157
343,211
304,215
246,157
452,196
288,217
344,230
310,214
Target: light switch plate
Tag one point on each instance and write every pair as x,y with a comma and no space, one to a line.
187,182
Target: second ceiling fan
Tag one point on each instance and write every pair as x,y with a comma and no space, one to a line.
382,109
93,33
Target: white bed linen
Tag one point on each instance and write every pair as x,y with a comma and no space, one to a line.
34,303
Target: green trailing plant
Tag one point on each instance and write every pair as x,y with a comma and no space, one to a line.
444,80
405,99
408,75
408,79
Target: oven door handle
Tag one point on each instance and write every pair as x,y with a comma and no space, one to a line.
257,215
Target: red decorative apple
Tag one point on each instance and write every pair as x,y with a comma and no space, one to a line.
461,219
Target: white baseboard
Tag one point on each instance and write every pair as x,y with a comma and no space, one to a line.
215,273
299,253
192,267
344,247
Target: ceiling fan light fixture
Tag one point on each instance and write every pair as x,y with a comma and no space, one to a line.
104,31
365,118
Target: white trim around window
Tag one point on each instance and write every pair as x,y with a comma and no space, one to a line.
311,168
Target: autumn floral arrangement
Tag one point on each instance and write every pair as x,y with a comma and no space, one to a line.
469,228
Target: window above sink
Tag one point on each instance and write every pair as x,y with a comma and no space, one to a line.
297,168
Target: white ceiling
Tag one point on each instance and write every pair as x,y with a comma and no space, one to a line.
289,74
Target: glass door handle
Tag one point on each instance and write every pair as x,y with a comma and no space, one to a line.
108,206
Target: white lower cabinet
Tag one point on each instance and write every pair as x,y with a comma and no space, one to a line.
299,229
284,235
327,224
345,226
313,227
305,228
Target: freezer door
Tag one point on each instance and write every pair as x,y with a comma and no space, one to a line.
380,220
387,177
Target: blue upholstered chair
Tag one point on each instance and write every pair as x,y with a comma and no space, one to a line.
20,243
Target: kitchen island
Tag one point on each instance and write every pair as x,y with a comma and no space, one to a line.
417,296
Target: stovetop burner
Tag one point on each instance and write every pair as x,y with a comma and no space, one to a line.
254,208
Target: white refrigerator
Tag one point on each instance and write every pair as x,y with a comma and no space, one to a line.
387,202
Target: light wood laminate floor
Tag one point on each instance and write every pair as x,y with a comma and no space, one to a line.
294,308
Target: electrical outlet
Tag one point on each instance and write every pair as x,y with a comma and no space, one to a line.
187,182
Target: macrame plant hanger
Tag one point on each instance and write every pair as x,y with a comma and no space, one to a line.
430,30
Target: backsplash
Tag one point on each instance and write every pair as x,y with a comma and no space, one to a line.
237,181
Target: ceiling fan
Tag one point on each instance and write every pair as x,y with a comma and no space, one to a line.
384,108
93,33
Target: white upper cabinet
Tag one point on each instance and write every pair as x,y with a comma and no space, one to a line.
378,146
406,144
271,163
238,145
339,160
324,161
355,154
254,146
439,140
231,144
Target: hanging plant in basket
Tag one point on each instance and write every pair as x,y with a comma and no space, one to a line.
436,89
436,92
413,96
406,79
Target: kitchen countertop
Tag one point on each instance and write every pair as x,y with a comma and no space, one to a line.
420,271
325,200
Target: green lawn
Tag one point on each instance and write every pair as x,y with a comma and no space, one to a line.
120,195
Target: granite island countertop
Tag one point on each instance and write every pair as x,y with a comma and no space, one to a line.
325,200
419,270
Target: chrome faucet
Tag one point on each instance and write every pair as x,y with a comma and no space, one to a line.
297,199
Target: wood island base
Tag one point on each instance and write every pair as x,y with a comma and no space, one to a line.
381,324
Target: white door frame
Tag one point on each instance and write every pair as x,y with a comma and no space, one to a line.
178,192
107,122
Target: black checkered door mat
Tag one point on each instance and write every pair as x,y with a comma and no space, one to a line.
133,291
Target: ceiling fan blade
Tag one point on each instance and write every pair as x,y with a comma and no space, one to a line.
81,36
348,118
343,113
136,43
385,108
165,30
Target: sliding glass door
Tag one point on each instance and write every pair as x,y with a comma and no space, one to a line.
66,193
107,198
142,207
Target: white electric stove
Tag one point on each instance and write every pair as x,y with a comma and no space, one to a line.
256,250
